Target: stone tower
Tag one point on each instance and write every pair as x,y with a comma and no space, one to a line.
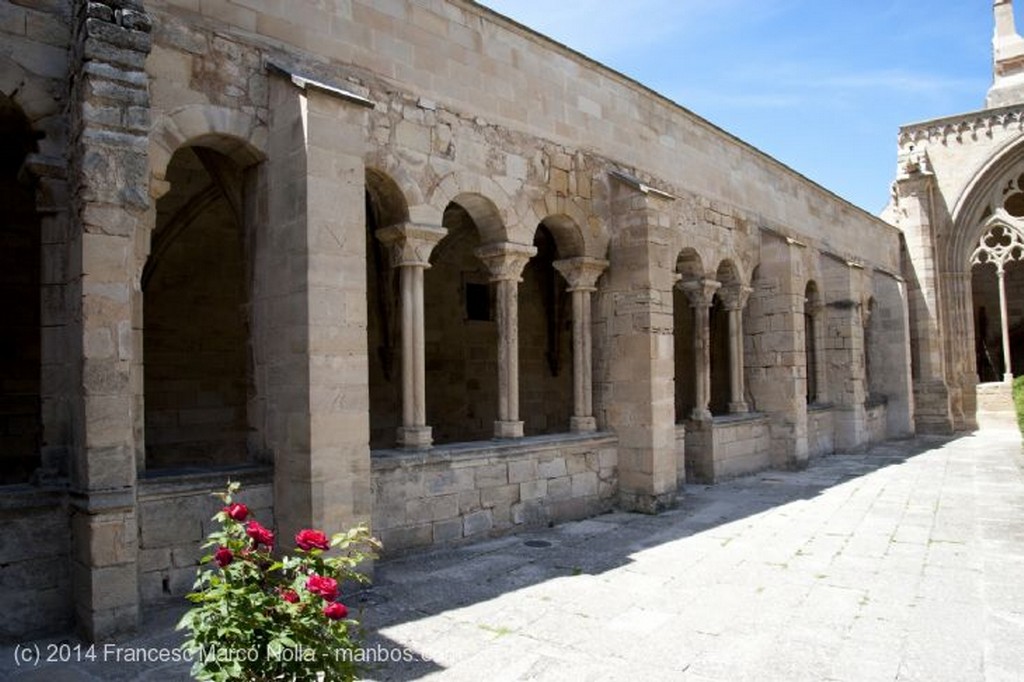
1007,59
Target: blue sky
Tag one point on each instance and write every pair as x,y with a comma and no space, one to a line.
821,86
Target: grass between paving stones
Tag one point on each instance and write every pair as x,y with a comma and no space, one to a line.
1018,400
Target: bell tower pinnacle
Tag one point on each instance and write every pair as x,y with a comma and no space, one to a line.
1007,59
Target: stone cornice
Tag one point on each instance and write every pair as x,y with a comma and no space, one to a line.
963,127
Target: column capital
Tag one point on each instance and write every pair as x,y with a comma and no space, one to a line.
505,260
410,244
700,292
734,296
581,273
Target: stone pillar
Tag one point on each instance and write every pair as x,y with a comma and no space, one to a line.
701,294
506,261
844,352
777,361
634,355
109,110
582,274
735,299
309,312
410,245
914,189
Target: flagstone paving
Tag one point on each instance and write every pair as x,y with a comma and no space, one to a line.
902,563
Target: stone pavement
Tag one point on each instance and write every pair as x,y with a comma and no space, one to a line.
904,563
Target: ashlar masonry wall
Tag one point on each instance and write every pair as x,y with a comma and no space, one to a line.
465,492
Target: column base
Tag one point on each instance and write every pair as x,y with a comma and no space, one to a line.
582,424
508,429
1008,378
738,408
699,415
415,437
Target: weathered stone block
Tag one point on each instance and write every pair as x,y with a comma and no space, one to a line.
522,470
491,475
448,530
504,495
477,522
553,468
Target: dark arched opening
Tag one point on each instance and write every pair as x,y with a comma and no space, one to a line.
195,304
20,286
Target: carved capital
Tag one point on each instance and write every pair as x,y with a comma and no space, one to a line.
410,244
735,296
700,292
505,260
581,273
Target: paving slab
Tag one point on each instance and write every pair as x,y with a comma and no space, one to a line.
900,563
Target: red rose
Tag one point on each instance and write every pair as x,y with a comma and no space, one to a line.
290,596
336,611
237,511
223,556
311,539
325,587
259,534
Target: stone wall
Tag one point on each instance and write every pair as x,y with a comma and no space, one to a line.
35,545
175,516
479,490
820,430
876,422
727,447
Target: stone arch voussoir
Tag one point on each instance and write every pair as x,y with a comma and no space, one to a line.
235,134
460,184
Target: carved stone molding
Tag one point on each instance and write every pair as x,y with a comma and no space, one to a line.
700,292
581,273
734,296
506,260
410,244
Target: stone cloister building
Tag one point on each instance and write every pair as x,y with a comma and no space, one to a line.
959,200
405,263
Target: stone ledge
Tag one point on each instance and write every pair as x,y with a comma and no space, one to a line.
173,482
23,496
727,420
500,450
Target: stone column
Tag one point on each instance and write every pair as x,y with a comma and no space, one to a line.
410,245
701,294
582,274
1004,326
735,299
505,261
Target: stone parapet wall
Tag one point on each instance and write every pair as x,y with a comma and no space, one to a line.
175,515
820,430
875,416
35,545
471,491
727,447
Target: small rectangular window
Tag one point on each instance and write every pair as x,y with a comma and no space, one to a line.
478,302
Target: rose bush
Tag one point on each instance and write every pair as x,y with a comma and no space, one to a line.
259,618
